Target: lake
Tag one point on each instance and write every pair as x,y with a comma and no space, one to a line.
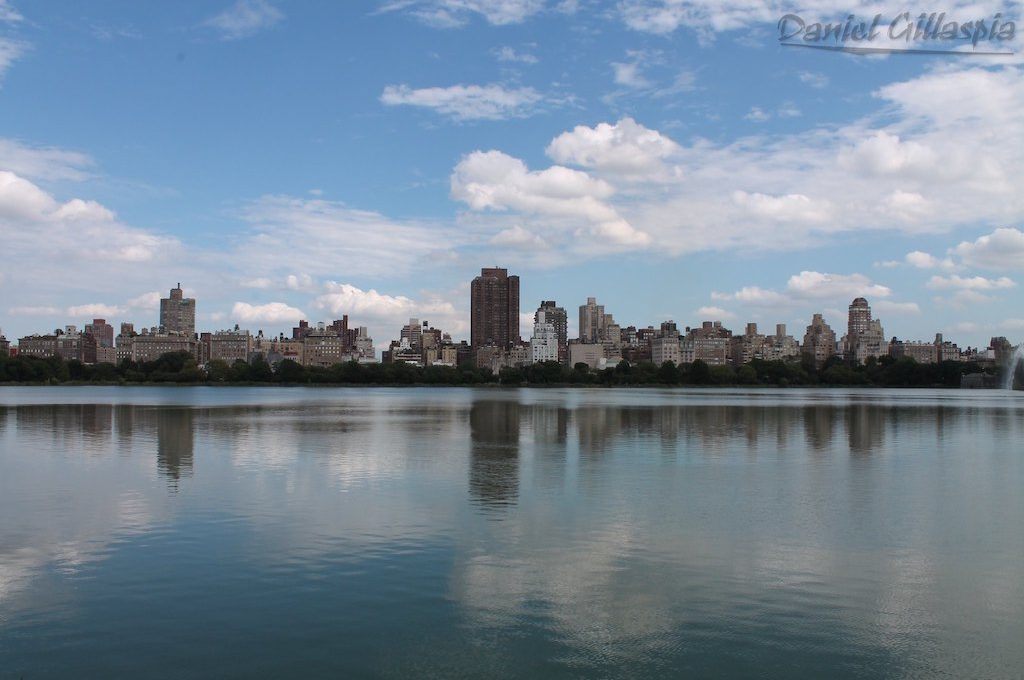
151,532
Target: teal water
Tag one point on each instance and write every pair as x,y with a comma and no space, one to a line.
415,533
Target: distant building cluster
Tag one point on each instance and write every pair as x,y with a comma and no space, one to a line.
495,340
319,345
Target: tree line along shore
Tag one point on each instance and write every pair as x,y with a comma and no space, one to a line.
181,368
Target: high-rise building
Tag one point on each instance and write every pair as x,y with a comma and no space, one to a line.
102,331
494,309
665,345
864,335
859,318
819,340
591,322
178,313
545,344
556,316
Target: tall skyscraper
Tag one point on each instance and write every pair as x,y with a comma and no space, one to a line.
864,336
859,317
819,340
591,322
494,309
556,316
178,313
550,333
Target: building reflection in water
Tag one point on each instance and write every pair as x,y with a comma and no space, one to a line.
175,440
494,454
865,427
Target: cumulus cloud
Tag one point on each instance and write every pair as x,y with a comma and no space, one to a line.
82,228
923,260
1002,249
494,181
920,172
303,282
625,148
811,284
753,295
245,18
517,237
387,313
271,312
807,287
467,102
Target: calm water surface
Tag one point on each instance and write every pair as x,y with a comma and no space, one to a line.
345,533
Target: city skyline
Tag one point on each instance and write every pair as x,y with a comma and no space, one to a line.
675,165
495,290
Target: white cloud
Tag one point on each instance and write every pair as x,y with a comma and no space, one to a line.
313,236
956,282
626,148
885,154
923,260
78,228
303,282
34,311
818,285
43,163
455,13
789,110
789,208
146,302
387,312
814,79
511,55
714,314
685,81
628,74
271,312
494,181
245,18
896,308
10,51
517,237
467,102
1002,249
260,283
8,14
967,298
95,310
757,115
755,296
919,172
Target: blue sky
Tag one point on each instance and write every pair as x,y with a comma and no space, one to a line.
288,159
